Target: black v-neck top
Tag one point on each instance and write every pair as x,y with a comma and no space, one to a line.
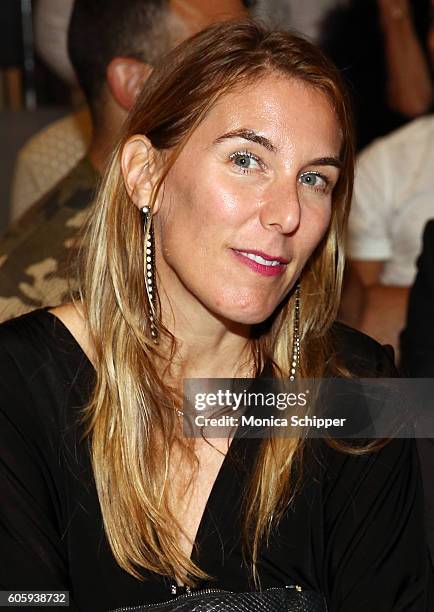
355,532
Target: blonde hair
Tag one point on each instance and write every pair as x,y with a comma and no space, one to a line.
131,418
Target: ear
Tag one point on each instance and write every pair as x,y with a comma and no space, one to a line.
139,170
125,78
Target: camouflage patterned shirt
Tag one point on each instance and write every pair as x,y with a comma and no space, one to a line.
36,249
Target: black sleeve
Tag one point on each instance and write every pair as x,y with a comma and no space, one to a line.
376,551
31,552
361,355
417,339
417,357
425,447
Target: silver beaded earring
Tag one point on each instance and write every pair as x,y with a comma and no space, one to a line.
149,265
295,358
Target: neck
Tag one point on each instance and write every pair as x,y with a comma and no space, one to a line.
208,354
100,148
207,346
106,132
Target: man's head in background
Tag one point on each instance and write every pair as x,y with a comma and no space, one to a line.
113,45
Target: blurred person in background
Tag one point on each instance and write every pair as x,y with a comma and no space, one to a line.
47,157
112,46
393,199
379,45
51,23
50,154
53,152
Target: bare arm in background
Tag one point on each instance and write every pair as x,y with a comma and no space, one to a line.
378,310
410,90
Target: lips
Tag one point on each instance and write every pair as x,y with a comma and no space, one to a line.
261,263
262,258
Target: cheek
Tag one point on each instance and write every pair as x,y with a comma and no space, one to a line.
324,218
224,198
195,216
209,201
317,221
181,219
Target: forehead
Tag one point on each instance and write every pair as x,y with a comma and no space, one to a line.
287,111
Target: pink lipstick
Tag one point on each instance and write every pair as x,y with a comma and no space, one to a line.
260,262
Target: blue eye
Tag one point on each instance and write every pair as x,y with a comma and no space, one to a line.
315,180
245,161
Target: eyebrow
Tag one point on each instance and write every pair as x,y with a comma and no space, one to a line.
326,161
250,135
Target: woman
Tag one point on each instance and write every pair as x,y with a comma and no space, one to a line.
231,183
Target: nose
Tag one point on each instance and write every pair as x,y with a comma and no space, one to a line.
281,211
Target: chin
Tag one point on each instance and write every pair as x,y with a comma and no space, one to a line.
247,308
241,319
243,315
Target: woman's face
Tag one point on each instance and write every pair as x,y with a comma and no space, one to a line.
248,200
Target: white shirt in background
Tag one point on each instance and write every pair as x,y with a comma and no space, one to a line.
51,27
393,200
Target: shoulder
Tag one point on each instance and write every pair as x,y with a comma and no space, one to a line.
364,357
71,133
28,367
44,383
360,354
46,211
22,330
396,155
43,371
72,317
25,345
33,270
38,347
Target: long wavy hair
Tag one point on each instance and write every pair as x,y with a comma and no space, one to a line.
131,419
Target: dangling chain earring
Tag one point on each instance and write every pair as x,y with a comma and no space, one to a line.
149,264
295,361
